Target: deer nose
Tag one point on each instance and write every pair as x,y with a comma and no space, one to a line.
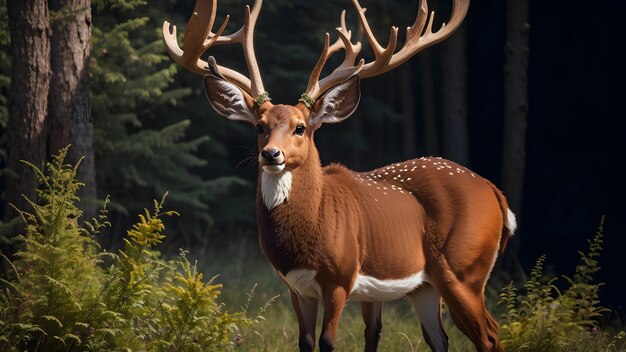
270,154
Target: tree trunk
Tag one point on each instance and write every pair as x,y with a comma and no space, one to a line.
429,115
515,102
408,111
515,113
28,99
70,120
454,95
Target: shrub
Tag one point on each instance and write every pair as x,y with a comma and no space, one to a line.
546,318
64,292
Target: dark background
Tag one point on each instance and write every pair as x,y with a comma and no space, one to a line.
576,128
574,143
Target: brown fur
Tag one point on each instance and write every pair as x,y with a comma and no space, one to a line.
339,223
424,215
436,216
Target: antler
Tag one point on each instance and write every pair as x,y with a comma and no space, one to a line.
385,59
341,73
199,37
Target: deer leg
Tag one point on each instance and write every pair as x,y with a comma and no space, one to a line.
470,316
306,310
334,301
492,331
372,316
426,302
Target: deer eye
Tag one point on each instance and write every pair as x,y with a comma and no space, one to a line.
259,128
299,130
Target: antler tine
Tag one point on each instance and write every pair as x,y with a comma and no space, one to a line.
316,87
345,35
415,31
199,37
385,58
244,36
415,40
381,55
198,28
313,86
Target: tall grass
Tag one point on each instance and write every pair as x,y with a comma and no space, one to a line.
546,314
535,315
241,265
63,292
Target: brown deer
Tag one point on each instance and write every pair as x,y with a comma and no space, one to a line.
426,229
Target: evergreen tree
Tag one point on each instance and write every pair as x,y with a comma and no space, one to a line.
140,142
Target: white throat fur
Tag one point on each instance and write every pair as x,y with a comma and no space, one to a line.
275,188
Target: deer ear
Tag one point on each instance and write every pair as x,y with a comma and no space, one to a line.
228,100
338,103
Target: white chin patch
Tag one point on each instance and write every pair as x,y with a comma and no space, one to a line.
273,169
275,185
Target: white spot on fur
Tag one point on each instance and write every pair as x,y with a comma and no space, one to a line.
302,281
369,288
511,222
275,188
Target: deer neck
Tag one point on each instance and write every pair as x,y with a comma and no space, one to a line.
295,193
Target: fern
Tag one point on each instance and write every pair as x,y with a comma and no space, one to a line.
60,295
547,319
51,283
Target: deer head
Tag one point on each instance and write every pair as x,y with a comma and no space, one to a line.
285,131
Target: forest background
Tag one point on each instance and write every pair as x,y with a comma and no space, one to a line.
527,94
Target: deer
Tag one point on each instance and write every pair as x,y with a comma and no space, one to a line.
428,230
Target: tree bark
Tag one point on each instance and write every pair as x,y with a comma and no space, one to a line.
70,119
515,114
454,95
28,99
515,102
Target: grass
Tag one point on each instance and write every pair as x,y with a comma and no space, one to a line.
242,265
535,315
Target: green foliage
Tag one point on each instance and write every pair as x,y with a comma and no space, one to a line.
142,149
545,318
64,292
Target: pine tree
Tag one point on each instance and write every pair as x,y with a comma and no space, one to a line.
141,146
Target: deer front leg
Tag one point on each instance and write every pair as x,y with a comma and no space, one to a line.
334,301
306,310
